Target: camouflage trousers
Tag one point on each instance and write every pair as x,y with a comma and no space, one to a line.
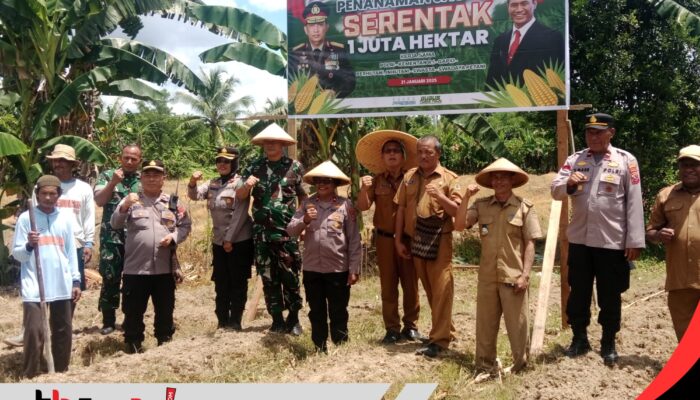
111,265
278,264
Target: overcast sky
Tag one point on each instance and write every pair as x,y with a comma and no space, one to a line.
186,42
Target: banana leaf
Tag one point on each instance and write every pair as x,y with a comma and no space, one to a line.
85,150
253,55
11,145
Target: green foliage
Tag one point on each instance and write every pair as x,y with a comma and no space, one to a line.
214,106
468,249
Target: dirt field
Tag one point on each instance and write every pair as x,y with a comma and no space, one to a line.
201,353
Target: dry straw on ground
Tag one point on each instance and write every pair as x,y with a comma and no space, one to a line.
201,353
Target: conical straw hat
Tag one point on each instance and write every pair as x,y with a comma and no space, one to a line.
483,178
273,132
327,169
369,149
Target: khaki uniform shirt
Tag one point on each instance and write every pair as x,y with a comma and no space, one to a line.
679,210
504,231
229,215
332,241
607,209
417,203
382,194
147,223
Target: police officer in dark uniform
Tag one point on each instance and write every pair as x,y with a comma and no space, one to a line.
319,56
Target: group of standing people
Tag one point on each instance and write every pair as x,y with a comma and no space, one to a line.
259,213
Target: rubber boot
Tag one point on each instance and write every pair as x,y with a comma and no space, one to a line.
579,343
607,348
292,324
235,322
109,319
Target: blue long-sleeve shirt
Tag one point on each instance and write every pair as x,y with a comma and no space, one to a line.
57,254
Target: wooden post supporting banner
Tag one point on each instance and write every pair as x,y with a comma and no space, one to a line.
251,307
550,250
563,134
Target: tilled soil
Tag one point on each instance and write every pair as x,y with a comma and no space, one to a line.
201,353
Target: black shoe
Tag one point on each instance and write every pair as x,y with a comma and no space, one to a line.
278,327
162,341
579,346
134,348
391,337
236,326
413,335
432,350
106,330
323,348
607,351
295,330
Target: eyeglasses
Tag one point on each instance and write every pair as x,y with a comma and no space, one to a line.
323,181
396,150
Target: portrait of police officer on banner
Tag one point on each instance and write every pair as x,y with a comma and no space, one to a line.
319,56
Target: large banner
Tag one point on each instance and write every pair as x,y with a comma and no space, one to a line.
400,57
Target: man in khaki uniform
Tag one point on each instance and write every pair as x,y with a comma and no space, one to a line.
428,199
508,227
674,222
606,232
388,154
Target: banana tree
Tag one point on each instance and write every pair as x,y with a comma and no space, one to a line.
684,17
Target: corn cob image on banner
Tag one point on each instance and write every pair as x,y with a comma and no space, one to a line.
351,58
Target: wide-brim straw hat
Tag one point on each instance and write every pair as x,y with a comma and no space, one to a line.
483,178
273,132
327,169
63,151
369,149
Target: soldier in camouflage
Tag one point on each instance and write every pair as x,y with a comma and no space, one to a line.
111,187
274,181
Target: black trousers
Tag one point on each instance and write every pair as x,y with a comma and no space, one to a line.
61,326
612,276
136,289
230,275
328,295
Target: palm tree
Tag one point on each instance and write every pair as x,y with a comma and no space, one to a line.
213,105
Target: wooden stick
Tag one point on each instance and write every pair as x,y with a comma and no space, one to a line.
42,296
550,249
643,299
252,307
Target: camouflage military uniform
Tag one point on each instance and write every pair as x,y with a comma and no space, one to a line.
277,257
112,240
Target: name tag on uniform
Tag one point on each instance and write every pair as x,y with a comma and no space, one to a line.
611,178
613,164
581,163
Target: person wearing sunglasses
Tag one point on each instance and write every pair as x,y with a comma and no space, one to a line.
332,253
388,154
232,237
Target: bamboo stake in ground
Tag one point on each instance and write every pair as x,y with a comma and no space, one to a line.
550,249
42,298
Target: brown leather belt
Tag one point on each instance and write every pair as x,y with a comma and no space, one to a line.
384,233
